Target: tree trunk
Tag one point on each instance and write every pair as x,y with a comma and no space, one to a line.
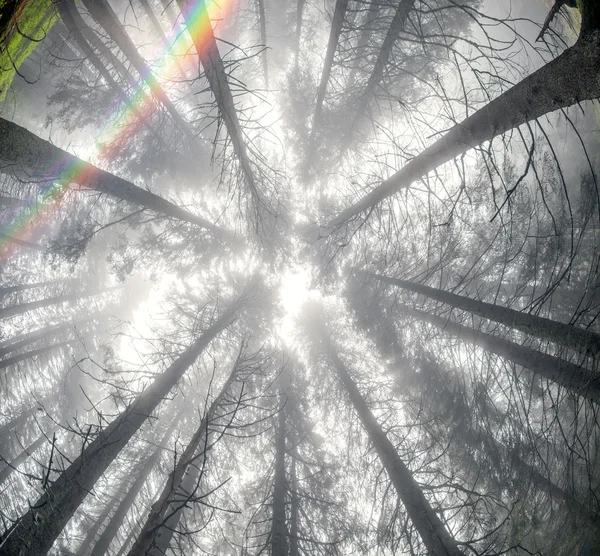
567,80
262,20
108,20
32,305
33,353
16,423
82,550
21,242
20,146
278,522
18,460
363,40
11,289
37,530
173,497
563,334
299,10
574,378
405,7
425,520
7,346
294,548
102,545
339,14
200,29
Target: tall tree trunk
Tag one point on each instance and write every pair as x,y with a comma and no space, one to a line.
339,15
425,520
108,20
19,459
5,290
173,497
200,29
33,353
569,79
573,377
294,510
83,548
564,334
16,423
102,545
278,522
13,344
262,21
405,7
37,529
20,146
363,40
32,305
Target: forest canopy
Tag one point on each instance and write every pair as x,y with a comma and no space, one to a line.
299,277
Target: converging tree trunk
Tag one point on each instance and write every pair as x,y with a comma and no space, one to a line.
563,334
33,353
32,305
83,549
569,79
173,498
20,146
424,518
574,378
11,467
35,532
279,545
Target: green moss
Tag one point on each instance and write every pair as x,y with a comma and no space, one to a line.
35,19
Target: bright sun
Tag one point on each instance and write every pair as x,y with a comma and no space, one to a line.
294,290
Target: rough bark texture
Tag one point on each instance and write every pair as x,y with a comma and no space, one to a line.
577,379
425,520
564,334
21,147
36,531
108,20
172,499
569,79
278,521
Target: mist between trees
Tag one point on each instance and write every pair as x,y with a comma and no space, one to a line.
299,277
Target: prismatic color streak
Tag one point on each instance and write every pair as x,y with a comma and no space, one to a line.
124,122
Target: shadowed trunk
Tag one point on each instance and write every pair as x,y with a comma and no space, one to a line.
569,79
102,545
101,11
32,305
16,423
18,460
278,525
175,496
33,353
37,529
425,520
564,334
98,524
299,10
20,146
339,14
574,378
21,287
294,548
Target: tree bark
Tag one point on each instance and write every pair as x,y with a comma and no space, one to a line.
574,378
102,545
32,305
278,522
18,460
196,18
560,333
37,529
569,79
425,520
173,497
33,353
101,11
339,14
20,146
294,502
